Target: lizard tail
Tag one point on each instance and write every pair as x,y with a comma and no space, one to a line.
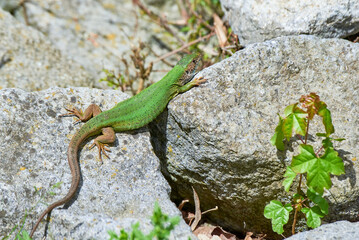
75,172
49,209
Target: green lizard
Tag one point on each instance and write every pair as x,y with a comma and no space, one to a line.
132,113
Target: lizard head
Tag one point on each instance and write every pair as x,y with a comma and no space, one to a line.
189,64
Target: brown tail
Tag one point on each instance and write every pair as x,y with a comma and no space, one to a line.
75,172
48,210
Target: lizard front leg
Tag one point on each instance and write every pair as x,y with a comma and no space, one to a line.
194,83
91,111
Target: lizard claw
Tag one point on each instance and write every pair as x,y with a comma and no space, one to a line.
73,111
199,81
102,149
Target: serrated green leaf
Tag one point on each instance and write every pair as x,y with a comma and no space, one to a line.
318,176
278,214
327,119
288,127
313,216
336,164
289,177
289,110
277,139
319,200
295,120
305,160
318,169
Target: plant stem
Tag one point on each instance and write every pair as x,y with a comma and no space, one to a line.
306,133
300,183
301,139
320,149
296,209
294,221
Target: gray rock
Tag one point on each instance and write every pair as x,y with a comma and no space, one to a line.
112,196
29,61
342,230
257,21
9,5
97,34
217,138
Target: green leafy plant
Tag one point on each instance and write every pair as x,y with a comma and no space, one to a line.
200,20
315,166
124,79
162,227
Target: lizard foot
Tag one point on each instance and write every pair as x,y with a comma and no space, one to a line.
92,111
73,111
199,81
102,149
102,141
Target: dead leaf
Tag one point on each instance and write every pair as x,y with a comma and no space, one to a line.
197,213
248,236
220,30
214,232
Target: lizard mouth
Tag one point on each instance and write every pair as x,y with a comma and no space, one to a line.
190,71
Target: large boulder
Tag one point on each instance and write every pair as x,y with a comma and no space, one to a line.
218,139
343,230
257,21
112,196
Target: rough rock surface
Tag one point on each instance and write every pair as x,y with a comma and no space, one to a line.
342,230
29,61
97,34
218,138
112,196
256,21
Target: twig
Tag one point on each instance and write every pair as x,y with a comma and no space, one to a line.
200,18
210,210
159,20
183,47
22,4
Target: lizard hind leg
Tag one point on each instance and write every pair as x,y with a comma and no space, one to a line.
108,136
91,111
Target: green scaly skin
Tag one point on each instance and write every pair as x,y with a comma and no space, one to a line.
130,114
